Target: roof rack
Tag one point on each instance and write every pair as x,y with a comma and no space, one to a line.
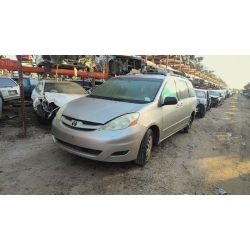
155,73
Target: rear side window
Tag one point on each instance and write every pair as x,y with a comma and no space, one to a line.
190,89
183,89
6,82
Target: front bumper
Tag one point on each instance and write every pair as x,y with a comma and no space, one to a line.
110,146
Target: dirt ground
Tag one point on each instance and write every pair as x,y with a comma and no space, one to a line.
213,155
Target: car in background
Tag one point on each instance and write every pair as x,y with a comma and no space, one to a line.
224,94
216,98
9,91
122,119
29,84
50,95
1,107
203,102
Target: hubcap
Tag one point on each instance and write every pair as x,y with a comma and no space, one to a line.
149,147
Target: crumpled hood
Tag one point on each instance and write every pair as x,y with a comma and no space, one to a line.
99,110
60,99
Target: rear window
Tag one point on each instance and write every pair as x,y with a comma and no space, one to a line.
200,94
33,82
135,90
6,82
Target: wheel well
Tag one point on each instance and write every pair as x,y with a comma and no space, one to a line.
193,115
156,134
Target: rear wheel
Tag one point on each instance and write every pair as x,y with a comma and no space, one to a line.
145,149
202,111
189,124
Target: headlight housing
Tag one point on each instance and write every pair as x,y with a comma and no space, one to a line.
60,111
121,122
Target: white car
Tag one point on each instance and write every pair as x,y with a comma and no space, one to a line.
9,92
50,95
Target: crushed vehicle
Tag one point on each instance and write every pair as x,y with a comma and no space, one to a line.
9,91
85,62
119,64
49,96
216,98
123,118
203,102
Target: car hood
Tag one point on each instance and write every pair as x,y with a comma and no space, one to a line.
99,110
60,98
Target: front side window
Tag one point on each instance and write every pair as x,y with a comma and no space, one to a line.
131,89
169,90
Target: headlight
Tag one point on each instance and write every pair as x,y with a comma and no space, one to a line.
60,111
121,122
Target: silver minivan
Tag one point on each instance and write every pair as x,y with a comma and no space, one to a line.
123,118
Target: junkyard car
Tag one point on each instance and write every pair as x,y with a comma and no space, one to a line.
123,118
9,91
29,84
203,102
216,98
49,96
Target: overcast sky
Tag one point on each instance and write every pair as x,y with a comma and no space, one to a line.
234,70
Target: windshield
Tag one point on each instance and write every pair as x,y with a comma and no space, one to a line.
215,93
64,87
135,90
200,94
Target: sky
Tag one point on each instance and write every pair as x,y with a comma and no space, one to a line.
234,70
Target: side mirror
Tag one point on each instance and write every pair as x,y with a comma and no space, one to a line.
170,101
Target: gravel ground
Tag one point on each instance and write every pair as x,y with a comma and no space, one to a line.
213,155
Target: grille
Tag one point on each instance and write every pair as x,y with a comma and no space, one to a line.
82,129
84,150
83,122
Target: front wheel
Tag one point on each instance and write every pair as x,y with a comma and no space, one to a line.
145,149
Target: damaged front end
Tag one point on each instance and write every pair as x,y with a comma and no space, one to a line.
44,110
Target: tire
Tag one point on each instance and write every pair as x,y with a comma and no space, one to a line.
145,149
41,120
189,124
216,105
202,111
1,107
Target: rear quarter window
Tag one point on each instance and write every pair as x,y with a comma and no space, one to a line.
6,82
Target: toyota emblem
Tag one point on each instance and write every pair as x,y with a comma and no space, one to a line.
74,123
